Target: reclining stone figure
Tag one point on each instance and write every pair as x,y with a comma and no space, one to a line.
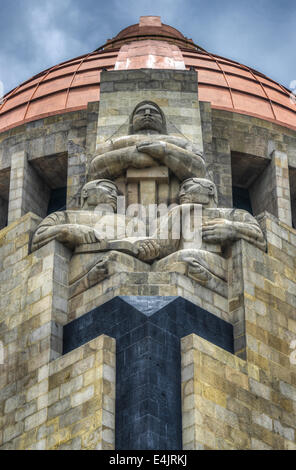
220,227
93,227
110,252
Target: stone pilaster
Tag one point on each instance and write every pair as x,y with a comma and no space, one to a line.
282,186
271,191
27,192
76,169
236,299
81,147
219,166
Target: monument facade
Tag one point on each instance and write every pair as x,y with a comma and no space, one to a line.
148,253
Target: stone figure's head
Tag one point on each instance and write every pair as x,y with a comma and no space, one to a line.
198,191
99,192
147,117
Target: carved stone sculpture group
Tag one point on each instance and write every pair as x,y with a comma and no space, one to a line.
98,254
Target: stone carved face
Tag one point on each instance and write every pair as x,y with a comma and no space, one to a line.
198,191
99,192
148,117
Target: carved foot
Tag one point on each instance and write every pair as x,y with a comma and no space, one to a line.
197,272
99,272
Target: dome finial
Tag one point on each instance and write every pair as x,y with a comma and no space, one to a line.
150,21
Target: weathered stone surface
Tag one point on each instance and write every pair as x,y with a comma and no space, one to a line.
224,407
245,400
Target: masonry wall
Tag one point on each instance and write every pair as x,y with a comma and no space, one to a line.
248,402
50,401
232,404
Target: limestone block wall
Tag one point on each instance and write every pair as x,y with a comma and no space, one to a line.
270,300
252,136
229,403
71,405
33,306
47,401
262,297
248,402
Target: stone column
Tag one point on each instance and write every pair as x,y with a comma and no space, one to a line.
271,191
76,170
27,192
236,299
282,186
220,167
81,148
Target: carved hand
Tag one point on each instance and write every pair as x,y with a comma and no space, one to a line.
148,250
70,234
218,230
154,149
78,234
140,159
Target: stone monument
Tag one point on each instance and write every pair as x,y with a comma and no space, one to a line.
148,252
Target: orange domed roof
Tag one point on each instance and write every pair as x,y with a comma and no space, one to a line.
69,86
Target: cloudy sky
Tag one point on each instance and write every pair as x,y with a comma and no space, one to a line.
37,34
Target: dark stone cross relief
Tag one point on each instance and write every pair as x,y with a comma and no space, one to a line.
148,362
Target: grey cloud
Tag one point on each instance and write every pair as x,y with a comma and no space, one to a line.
38,34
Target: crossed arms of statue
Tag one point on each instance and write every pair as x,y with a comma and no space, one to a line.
179,155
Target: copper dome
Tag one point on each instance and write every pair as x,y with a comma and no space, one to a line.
225,83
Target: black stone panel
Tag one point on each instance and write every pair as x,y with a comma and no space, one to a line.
148,362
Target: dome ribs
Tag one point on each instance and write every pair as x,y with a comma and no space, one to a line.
73,77
36,88
227,84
